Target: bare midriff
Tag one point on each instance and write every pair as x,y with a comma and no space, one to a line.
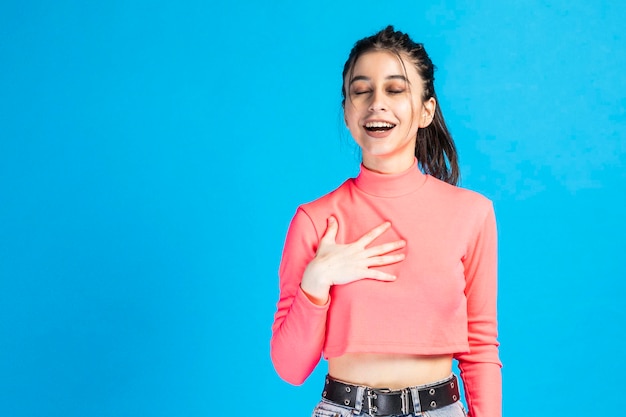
390,371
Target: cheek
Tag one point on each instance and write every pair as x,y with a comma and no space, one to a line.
405,113
414,113
411,109
350,117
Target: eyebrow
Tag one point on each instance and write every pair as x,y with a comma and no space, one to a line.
390,77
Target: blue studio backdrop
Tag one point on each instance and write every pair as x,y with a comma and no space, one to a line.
152,155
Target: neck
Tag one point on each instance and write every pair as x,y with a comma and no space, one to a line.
387,165
390,185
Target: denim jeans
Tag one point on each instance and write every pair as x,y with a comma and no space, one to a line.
328,409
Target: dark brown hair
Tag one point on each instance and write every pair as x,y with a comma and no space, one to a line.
434,149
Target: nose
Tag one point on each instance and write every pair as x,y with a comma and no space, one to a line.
378,102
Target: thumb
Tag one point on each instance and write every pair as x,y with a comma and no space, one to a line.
331,230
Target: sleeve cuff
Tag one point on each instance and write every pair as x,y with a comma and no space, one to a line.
305,303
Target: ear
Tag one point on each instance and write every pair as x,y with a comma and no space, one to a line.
428,112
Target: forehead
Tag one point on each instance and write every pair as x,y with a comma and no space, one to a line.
383,64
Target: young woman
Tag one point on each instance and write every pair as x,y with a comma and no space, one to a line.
393,275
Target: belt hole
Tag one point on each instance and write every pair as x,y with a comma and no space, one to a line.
348,389
454,397
452,385
346,402
431,391
433,404
324,394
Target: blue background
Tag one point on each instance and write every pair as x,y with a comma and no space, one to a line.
152,155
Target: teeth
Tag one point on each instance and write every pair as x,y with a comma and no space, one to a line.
378,124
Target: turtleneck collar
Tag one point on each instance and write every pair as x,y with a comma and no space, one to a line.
390,185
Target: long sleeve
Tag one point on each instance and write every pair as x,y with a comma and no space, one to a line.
299,325
481,366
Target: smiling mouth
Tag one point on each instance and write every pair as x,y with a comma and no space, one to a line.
378,126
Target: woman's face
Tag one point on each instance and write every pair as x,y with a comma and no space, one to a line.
384,110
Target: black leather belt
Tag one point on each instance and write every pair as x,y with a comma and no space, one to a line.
385,402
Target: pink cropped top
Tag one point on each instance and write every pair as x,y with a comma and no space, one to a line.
442,302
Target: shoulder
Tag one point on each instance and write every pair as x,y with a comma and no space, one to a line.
318,210
323,203
454,196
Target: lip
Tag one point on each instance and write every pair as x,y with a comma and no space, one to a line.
378,134
366,121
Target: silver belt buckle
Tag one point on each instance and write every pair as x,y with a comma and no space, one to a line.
404,396
371,396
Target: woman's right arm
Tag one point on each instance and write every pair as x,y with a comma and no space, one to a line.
299,324
309,268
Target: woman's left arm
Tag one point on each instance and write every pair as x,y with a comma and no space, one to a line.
481,366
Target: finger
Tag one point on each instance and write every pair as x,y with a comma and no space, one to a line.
330,235
386,259
370,236
380,275
385,248
367,273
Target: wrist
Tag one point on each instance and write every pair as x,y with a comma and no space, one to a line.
317,293
317,299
